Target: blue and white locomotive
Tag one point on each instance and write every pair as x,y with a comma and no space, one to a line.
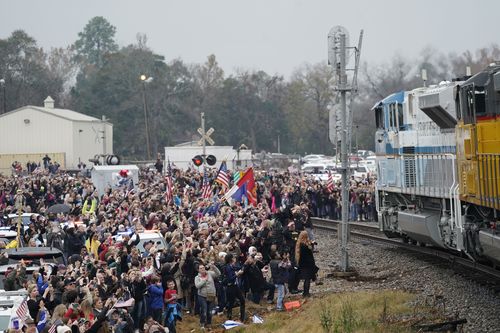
439,165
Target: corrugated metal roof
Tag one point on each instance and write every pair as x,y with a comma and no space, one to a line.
62,113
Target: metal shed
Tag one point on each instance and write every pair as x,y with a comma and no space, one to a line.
68,137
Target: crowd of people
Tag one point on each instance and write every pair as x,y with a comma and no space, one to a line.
218,255
34,167
326,204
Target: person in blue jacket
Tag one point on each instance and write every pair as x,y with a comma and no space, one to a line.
155,291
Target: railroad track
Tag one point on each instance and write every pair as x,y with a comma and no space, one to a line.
372,232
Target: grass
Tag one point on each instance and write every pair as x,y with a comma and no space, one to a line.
360,312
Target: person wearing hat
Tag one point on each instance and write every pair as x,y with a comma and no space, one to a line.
147,248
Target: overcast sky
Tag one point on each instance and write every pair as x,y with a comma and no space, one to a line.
276,36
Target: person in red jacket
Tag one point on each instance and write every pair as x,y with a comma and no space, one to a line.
170,299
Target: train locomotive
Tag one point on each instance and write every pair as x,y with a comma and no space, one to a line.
438,161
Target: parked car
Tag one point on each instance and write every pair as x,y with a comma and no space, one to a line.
370,164
360,172
312,158
145,236
33,257
10,232
26,218
313,168
9,300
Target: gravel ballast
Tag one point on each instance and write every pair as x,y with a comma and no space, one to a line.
385,267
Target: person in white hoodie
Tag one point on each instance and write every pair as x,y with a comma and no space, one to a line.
205,284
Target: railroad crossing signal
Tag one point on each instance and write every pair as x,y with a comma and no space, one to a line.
206,136
198,160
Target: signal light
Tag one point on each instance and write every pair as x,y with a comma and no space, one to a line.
112,160
211,160
197,160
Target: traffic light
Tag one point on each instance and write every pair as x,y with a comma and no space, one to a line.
211,160
197,160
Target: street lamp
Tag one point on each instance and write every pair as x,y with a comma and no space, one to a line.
2,83
144,80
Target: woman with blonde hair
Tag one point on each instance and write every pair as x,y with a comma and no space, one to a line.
87,309
57,317
305,261
59,312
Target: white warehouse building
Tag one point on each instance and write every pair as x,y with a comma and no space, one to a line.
66,136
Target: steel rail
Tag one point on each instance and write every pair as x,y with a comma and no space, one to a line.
453,258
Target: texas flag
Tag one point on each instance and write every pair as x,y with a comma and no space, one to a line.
244,187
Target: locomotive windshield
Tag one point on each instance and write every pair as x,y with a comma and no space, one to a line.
379,117
472,103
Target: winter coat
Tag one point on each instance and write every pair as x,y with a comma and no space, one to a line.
307,265
155,296
93,247
75,244
254,277
279,271
206,287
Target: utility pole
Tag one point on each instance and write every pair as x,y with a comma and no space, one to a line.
103,123
18,199
203,135
2,83
144,80
338,38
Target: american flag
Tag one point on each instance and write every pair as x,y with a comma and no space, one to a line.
222,177
53,327
330,185
206,190
169,192
22,310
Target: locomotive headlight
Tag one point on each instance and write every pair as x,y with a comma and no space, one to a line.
380,138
